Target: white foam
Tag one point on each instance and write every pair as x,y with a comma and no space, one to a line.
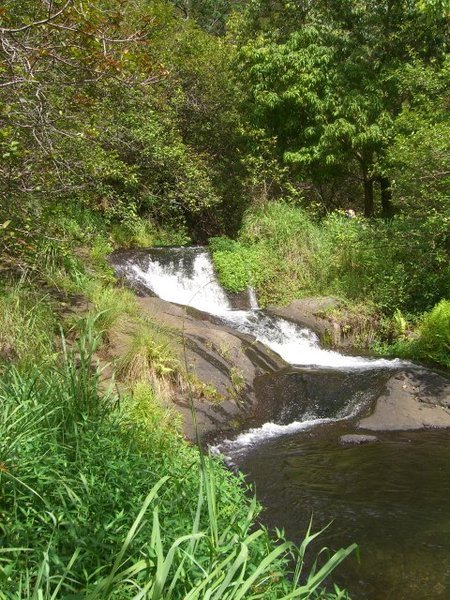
189,279
199,288
271,430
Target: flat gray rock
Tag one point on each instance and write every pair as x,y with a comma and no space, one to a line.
356,439
413,399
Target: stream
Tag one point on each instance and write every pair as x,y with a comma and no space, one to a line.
391,497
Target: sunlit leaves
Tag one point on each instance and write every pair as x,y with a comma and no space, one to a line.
327,80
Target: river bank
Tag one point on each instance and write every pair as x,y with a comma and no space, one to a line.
92,436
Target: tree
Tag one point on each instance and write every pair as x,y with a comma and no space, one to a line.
55,58
120,103
326,81
417,161
211,15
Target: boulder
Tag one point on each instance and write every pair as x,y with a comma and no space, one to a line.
413,399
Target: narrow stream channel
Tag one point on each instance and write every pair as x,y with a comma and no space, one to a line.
392,497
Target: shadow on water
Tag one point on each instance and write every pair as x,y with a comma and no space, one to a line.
391,497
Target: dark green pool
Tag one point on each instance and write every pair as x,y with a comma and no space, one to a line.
391,497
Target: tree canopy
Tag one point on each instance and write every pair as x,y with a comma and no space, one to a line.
327,79
187,112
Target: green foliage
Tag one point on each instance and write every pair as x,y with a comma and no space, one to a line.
209,14
110,307
78,473
418,157
399,264
149,416
327,81
277,252
430,339
434,334
149,357
238,266
131,116
27,324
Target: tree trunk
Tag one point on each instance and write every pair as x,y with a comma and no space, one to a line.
387,210
368,196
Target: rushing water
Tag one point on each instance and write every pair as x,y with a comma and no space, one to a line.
186,276
391,497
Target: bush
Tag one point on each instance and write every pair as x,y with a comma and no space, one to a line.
434,334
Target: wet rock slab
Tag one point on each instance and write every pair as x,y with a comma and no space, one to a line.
413,399
357,439
220,357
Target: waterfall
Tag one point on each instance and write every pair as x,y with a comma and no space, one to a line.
186,276
181,275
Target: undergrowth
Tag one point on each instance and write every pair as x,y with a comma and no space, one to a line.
101,498
398,264
428,340
27,324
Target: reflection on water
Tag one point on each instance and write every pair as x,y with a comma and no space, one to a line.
391,497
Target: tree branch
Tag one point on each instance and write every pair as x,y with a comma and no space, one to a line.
36,23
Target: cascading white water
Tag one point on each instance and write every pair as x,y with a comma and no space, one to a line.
186,276
185,279
297,345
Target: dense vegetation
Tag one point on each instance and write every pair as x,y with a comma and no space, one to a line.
101,497
255,124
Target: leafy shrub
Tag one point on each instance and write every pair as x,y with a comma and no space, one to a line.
430,341
238,266
400,264
434,334
153,423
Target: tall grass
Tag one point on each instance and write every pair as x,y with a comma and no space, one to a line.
27,324
93,505
400,264
150,355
